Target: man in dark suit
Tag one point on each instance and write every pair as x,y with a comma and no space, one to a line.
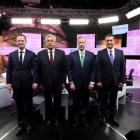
52,76
22,77
110,78
81,75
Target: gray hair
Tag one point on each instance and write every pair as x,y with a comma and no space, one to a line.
50,35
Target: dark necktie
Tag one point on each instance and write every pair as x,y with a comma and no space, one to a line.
51,57
20,58
111,57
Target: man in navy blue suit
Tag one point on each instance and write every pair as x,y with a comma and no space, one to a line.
22,77
81,75
110,78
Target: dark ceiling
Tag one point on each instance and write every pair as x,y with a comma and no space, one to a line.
86,4
73,4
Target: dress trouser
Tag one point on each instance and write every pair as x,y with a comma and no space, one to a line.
52,103
80,103
108,96
23,99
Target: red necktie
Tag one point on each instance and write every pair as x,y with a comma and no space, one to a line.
51,57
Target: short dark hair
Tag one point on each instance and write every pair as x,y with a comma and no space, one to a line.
109,35
22,35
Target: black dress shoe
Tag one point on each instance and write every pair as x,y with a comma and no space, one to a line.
103,122
19,131
85,124
114,122
48,123
75,124
28,130
57,124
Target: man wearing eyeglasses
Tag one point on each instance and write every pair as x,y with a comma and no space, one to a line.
110,74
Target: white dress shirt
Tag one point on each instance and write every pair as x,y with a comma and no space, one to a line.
113,52
23,54
82,52
53,52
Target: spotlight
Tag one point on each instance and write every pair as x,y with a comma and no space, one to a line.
50,21
78,21
133,13
21,20
108,19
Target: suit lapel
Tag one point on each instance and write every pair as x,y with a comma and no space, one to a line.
55,56
85,58
107,57
78,58
47,56
17,57
115,57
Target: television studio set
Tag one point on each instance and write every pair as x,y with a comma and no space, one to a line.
69,69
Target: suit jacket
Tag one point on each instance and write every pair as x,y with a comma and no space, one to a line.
81,76
21,77
106,72
51,75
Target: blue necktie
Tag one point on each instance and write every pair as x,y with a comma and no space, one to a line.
111,57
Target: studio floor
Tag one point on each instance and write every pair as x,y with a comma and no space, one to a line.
128,116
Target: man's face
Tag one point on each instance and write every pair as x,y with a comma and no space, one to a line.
81,43
21,42
109,42
50,42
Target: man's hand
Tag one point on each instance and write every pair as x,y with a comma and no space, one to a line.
72,86
63,86
34,86
99,84
9,86
120,85
91,86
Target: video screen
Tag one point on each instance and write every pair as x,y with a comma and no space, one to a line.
120,29
135,64
33,41
133,43
90,41
119,42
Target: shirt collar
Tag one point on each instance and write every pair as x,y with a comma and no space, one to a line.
53,50
82,51
110,49
23,51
